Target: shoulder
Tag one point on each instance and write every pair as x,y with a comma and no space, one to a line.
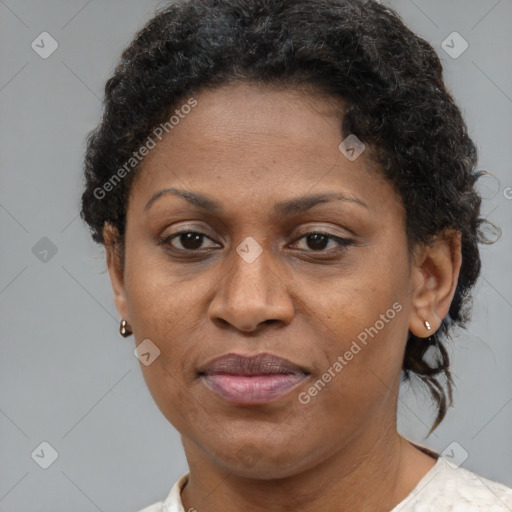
445,487
173,501
450,488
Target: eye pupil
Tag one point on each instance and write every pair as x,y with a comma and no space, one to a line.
318,239
195,239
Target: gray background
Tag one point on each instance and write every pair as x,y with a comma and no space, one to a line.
68,378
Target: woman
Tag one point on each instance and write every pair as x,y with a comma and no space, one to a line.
285,191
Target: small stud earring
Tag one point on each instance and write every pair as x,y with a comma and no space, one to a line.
427,325
124,329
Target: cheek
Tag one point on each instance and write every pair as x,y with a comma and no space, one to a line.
162,298
364,322
171,394
163,308
360,382
361,306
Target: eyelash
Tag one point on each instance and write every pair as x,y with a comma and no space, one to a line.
343,243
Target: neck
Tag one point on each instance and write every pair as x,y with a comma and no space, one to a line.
374,471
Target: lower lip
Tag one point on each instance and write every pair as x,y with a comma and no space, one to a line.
256,389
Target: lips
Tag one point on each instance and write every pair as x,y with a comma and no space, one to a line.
249,380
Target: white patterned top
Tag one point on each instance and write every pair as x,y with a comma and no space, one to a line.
445,488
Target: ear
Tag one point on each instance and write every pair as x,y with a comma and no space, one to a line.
115,268
436,268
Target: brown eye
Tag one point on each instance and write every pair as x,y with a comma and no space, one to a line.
189,240
317,241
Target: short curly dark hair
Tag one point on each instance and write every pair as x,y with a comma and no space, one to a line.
397,104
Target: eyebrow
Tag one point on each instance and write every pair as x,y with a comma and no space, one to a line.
281,209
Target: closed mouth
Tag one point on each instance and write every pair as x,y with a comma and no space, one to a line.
250,380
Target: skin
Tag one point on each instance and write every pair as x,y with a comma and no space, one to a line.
249,147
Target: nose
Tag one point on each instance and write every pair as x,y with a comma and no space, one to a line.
252,294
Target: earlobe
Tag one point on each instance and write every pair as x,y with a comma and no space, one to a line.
115,269
435,276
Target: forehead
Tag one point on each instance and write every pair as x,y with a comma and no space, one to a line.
252,140
246,115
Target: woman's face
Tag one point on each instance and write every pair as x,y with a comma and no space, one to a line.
252,283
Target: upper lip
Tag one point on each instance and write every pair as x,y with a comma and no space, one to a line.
259,364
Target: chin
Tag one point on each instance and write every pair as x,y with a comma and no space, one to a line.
261,460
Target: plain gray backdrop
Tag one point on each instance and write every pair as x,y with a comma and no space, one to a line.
68,379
